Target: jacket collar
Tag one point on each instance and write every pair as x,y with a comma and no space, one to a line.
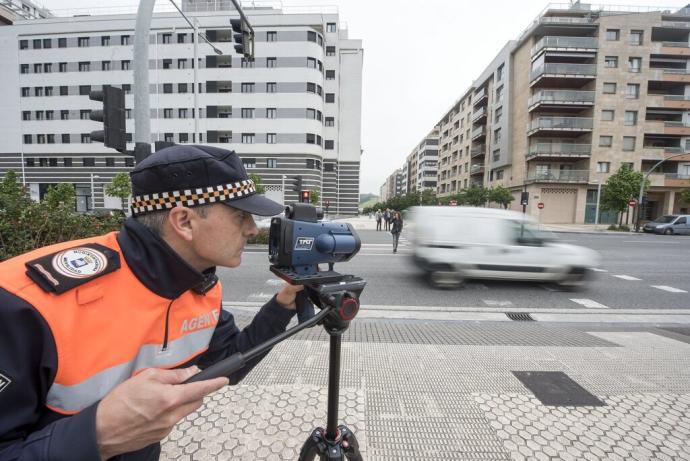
155,263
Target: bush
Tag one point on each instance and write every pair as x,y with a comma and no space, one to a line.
621,228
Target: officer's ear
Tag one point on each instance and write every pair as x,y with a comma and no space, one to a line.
180,222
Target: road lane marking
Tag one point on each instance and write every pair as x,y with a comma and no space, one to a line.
669,289
589,303
260,295
653,241
596,269
496,303
627,277
275,282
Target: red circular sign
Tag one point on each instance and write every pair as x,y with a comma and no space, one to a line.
453,203
632,202
540,205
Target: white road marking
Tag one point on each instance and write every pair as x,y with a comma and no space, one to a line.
261,295
274,282
669,289
589,303
653,241
497,303
596,269
627,277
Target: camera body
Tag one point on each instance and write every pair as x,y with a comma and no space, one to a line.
298,243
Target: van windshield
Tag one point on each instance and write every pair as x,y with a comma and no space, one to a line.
665,219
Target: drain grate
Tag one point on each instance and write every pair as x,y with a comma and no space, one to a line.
520,316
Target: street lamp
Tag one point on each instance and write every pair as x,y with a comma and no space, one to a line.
596,217
644,179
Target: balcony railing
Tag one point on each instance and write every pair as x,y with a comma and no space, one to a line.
676,71
676,176
480,131
564,70
676,44
564,20
561,96
546,149
565,42
676,125
572,176
676,97
478,151
476,169
562,123
479,114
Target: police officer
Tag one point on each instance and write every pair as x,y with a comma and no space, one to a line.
98,335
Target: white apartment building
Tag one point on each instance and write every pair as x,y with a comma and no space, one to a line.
295,110
420,171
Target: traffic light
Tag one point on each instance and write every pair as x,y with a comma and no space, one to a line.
243,36
524,198
112,116
305,196
297,184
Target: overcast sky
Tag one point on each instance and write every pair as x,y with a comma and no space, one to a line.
419,56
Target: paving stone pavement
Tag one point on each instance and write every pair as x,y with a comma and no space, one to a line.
457,399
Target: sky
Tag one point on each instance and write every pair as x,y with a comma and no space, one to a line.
419,57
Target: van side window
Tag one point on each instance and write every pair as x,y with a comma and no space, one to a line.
521,234
681,221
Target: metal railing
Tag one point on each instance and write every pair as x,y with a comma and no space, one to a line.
676,97
565,123
479,131
564,70
565,42
676,176
559,176
560,149
478,151
676,44
676,125
480,94
555,96
479,114
474,169
676,71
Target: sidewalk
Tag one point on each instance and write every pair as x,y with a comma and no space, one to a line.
460,390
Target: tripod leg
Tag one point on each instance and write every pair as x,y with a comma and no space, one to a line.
350,444
315,447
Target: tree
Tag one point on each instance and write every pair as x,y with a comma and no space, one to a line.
476,196
315,195
620,188
500,195
258,182
120,187
685,196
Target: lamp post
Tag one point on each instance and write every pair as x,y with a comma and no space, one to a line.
596,216
644,180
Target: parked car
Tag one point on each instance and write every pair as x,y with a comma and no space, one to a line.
669,224
454,243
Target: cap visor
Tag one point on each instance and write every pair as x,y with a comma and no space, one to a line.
256,204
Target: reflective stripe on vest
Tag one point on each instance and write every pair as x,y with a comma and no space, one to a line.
111,327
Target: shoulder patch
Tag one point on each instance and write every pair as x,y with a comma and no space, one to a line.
4,381
61,271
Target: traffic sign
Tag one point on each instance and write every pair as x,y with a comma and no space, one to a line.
453,203
632,202
328,203
540,205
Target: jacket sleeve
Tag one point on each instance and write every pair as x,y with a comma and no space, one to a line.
28,363
227,339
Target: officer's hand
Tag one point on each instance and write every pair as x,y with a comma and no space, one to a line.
286,296
145,408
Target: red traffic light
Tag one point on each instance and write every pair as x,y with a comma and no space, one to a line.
305,196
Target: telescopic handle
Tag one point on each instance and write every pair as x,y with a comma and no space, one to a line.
225,367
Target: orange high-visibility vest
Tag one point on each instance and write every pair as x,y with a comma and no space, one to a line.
111,327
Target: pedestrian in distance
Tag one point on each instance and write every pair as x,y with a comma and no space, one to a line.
396,229
98,335
387,219
378,216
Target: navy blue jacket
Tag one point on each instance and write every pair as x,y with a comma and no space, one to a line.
29,431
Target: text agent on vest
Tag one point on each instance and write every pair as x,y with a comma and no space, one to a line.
97,335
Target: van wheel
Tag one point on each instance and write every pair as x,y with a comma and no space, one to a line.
444,277
668,232
574,280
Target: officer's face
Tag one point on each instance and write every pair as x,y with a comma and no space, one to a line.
225,233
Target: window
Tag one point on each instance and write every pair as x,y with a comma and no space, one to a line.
271,62
311,114
311,63
62,67
605,141
67,161
499,73
613,34
105,65
47,68
247,112
271,163
499,95
23,44
498,113
330,27
37,44
328,144
180,38
330,74
125,64
85,139
65,140
26,115
30,161
311,87
109,161
167,113
271,87
247,87
26,91
311,37
84,90
611,61
272,36
129,161
83,42
271,112
128,114
630,117
311,139
38,91
603,167
166,38
169,137
632,91
127,88
249,162
64,115
41,139
181,87
47,43
27,139
497,136
330,97
271,138
62,43
88,161
167,63
247,138
499,175
330,121
636,37
609,88
24,69
167,88
181,63
84,66
182,113
635,65
105,40
40,115
50,115
330,51
38,68
124,40
628,143
184,137
607,115
245,63
328,167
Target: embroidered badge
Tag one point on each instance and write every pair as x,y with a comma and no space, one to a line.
80,262
4,382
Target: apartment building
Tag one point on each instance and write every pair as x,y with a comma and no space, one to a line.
295,110
13,10
420,171
393,186
584,91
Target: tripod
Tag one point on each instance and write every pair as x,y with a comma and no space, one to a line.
339,304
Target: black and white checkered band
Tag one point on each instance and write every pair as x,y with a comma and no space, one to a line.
192,197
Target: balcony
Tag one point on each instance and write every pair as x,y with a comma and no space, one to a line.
554,73
480,97
559,150
565,43
559,176
673,48
476,169
478,151
669,180
567,98
478,132
670,128
479,115
670,75
669,101
560,125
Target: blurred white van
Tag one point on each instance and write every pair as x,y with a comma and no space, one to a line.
454,243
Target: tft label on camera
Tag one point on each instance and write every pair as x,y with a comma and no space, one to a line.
304,243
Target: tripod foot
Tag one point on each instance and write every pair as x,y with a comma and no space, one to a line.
319,447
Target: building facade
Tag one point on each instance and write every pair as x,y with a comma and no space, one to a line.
420,171
295,110
393,186
583,92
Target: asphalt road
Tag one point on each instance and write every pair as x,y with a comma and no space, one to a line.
638,272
